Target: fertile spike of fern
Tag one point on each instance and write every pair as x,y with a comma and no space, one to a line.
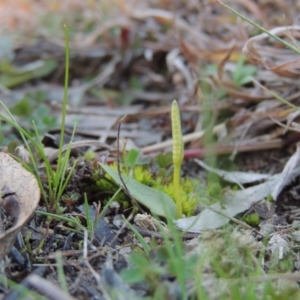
177,154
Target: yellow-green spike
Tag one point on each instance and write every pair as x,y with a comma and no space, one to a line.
177,154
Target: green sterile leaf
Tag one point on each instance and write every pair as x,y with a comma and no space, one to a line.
133,276
214,190
132,158
22,108
135,83
144,161
140,263
246,76
156,201
239,68
139,260
161,254
164,160
243,73
32,70
6,66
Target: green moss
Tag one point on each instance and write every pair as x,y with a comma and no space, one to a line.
89,155
214,190
188,198
158,181
252,219
142,175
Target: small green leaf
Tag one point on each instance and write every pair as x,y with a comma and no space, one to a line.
158,202
37,69
136,84
243,73
132,275
22,108
164,160
144,161
139,260
132,158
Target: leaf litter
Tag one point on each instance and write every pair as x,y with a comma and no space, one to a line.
133,59
20,196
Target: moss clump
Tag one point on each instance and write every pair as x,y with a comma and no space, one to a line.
157,181
186,191
252,219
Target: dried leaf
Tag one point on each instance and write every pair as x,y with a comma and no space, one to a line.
235,176
36,69
20,196
286,61
278,246
233,203
287,174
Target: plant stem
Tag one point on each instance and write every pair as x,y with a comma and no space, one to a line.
176,182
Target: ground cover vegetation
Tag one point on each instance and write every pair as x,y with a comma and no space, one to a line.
110,188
